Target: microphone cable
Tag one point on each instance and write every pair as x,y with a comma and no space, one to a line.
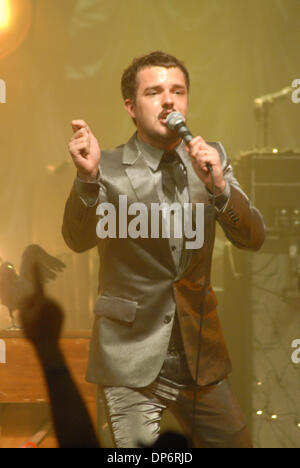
176,122
201,309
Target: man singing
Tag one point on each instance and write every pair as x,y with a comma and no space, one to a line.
157,341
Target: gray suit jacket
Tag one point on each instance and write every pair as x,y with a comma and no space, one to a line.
140,287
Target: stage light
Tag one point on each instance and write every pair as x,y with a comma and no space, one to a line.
15,22
5,14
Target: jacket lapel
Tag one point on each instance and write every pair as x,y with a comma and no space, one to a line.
139,174
197,190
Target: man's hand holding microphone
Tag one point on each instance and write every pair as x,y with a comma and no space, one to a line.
205,159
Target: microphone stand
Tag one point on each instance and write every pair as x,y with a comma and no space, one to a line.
262,110
262,115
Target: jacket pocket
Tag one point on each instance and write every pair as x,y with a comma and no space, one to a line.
116,308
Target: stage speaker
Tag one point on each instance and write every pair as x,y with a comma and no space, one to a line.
272,183
264,308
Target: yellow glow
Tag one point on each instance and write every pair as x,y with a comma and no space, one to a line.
15,22
4,13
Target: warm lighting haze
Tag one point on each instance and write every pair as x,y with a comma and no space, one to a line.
15,22
4,13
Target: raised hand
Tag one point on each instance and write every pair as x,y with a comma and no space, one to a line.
85,150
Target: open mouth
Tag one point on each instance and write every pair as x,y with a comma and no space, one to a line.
163,117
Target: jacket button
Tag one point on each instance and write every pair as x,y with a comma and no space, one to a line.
167,319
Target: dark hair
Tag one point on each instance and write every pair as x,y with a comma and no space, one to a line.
153,59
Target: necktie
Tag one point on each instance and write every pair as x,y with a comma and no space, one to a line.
174,188
172,176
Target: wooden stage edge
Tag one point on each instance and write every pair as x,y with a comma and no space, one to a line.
21,376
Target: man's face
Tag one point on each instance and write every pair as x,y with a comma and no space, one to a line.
160,91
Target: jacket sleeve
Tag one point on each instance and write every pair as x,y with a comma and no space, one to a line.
241,222
80,219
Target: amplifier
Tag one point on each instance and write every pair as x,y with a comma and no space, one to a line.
272,182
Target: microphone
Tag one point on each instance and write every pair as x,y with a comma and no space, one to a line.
176,121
